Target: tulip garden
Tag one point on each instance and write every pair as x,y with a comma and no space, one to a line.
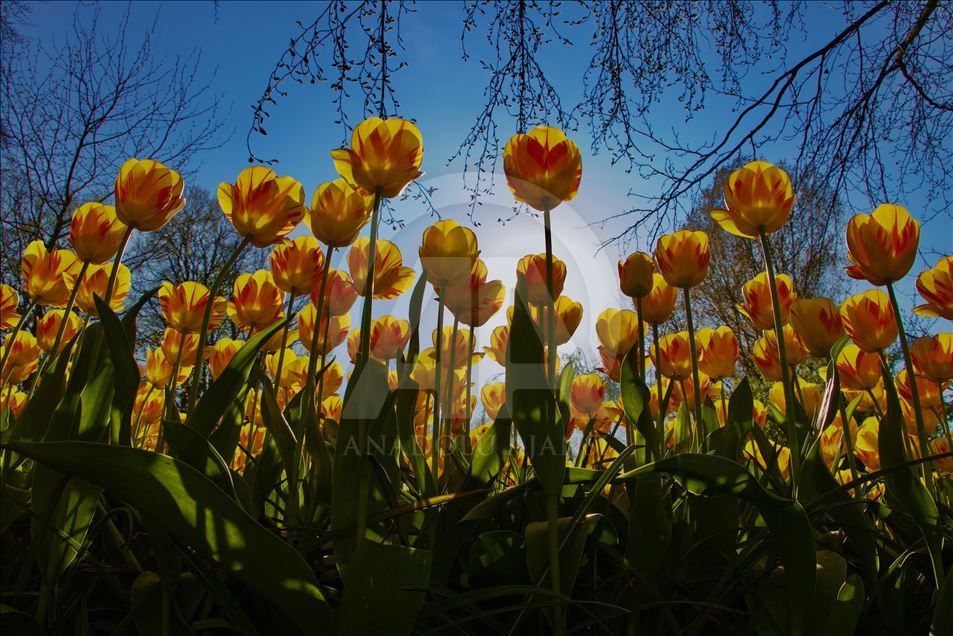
338,470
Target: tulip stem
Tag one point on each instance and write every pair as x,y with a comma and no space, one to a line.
660,429
451,376
470,372
65,319
551,300
115,269
696,389
912,379
790,426
638,310
313,345
206,317
845,435
435,436
364,352
555,578
169,405
284,341
142,407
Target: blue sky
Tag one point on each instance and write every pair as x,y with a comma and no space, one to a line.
241,41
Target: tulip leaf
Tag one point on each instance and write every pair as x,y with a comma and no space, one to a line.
123,367
198,514
275,422
378,596
635,401
904,490
790,530
489,454
188,446
226,389
497,558
848,605
532,403
34,421
943,614
225,438
406,406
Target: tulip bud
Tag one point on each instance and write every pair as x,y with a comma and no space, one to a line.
936,287
256,301
385,155
758,307
261,206
48,276
818,323
717,351
183,306
95,232
338,212
635,274
933,356
9,301
532,269
869,320
758,197
148,194
95,282
391,278
48,326
587,392
659,304
447,252
883,245
297,265
543,167
683,258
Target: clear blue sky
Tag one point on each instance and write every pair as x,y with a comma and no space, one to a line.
241,41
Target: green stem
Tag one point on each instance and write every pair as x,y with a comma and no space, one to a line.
451,376
790,426
435,439
203,332
364,352
313,359
551,303
660,429
469,374
696,389
845,434
137,427
284,341
912,379
115,270
555,579
638,309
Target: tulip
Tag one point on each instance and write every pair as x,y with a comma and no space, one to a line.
941,446
493,396
13,400
148,194
859,370
338,212
759,198
808,393
704,387
179,346
659,304
221,355
568,315
617,330
297,265
636,275
391,278
683,258
332,378
818,324
543,167
184,305
869,320
499,338
49,326
96,233
933,356
447,252
718,352
936,287
779,457
928,392
424,374
385,155
331,408
275,342
671,356
290,377
388,337
473,301
261,206
96,283
336,331
48,276
339,294
9,301
867,445
159,370
256,301
532,269
767,355
758,306
830,443
455,345
883,245
587,393
23,351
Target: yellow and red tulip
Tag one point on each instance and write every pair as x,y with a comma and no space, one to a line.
385,155
543,167
148,194
883,245
759,198
261,206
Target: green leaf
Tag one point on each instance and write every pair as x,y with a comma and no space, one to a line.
36,416
848,605
489,454
497,557
532,403
377,598
197,513
635,400
125,371
226,389
196,451
275,422
406,406
904,489
790,530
